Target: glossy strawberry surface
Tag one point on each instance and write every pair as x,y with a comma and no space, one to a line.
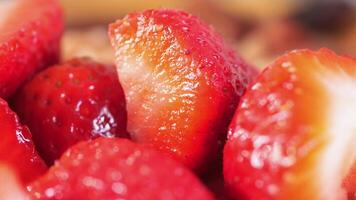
29,40
181,81
74,101
16,146
293,134
113,168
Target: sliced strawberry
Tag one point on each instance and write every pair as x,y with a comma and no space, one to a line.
181,81
293,135
29,40
112,168
71,102
10,187
16,147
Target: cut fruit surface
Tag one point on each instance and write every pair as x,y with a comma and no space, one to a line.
10,187
181,81
6,7
295,128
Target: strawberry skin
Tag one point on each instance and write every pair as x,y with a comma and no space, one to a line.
77,100
29,40
113,168
16,146
293,134
181,81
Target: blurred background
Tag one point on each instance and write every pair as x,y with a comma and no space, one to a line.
260,30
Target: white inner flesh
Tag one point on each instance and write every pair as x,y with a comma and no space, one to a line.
137,77
6,6
340,153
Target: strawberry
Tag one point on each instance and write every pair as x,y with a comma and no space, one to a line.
71,102
10,187
293,135
16,147
114,168
29,40
214,180
182,83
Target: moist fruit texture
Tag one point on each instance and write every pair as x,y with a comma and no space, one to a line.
16,146
77,100
10,187
29,40
113,168
181,81
293,135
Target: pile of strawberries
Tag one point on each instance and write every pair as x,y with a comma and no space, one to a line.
180,116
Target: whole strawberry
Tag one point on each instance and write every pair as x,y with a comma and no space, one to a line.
16,147
29,40
181,81
293,135
113,168
71,102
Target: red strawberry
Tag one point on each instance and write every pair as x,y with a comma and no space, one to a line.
16,147
293,135
214,180
181,81
10,187
29,40
71,102
117,169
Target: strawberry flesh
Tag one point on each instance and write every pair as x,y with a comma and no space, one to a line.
181,81
10,187
5,10
293,134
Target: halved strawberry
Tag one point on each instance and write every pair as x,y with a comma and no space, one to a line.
74,101
181,81
294,133
29,40
112,168
16,147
